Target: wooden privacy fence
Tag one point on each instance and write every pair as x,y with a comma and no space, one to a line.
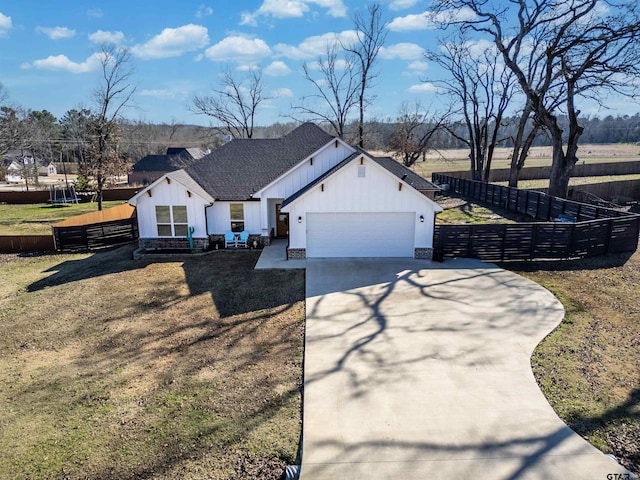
94,230
591,230
25,243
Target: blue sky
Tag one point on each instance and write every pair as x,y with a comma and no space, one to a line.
179,49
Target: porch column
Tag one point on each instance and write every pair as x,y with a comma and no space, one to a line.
264,216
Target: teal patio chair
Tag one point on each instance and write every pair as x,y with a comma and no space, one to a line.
244,238
230,240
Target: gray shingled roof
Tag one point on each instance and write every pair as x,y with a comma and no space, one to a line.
154,163
399,170
241,167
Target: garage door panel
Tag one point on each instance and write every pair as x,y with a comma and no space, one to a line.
360,234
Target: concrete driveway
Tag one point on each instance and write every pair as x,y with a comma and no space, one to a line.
419,370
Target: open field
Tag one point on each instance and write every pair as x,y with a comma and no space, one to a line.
574,181
121,369
36,219
589,367
458,159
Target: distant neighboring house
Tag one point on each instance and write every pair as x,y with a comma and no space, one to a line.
328,198
152,167
14,172
47,169
21,162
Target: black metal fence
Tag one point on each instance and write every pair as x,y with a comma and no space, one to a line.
584,230
94,236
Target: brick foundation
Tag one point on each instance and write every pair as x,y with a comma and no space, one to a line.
296,253
175,243
423,253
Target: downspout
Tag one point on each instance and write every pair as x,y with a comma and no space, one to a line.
206,220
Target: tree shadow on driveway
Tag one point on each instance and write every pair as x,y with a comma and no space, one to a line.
420,363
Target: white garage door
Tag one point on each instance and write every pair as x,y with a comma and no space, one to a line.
360,234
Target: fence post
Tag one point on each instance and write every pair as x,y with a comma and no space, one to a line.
607,241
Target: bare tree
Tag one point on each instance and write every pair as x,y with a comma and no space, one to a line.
336,89
481,89
13,133
110,97
4,95
414,131
580,48
371,35
234,105
528,129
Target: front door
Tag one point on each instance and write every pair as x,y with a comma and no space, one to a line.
282,222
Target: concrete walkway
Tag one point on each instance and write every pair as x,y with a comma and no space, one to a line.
275,256
419,370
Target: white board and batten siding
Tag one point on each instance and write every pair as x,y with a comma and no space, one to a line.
219,217
307,171
369,215
170,194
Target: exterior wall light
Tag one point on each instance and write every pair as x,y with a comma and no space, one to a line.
299,219
421,218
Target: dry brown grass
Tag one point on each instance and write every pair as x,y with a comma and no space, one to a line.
589,367
458,159
117,369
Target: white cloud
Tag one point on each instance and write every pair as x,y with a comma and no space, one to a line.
423,88
173,42
292,9
238,49
247,67
312,47
163,93
404,51
418,66
277,69
100,37
5,24
204,11
62,63
420,21
281,93
95,13
402,4
430,20
56,33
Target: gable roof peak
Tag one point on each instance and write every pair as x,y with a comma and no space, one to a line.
238,169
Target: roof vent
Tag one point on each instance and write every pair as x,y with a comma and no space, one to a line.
228,138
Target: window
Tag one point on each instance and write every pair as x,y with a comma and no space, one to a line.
237,217
172,221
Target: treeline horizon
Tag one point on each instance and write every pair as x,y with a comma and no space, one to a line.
140,138
606,130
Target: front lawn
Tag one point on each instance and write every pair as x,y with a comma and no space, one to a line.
120,369
458,209
589,367
36,219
